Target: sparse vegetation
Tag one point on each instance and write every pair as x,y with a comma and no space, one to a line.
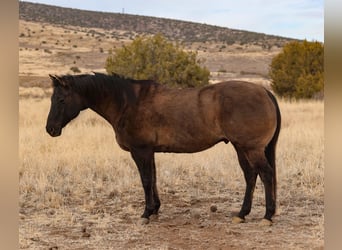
48,51
142,25
75,69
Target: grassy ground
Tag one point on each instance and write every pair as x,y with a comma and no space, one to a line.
80,191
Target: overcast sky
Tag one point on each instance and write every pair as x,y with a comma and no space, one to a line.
302,19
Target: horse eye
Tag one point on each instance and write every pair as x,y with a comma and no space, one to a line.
61,101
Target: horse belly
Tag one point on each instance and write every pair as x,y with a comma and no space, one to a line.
189,147
184,141
191,129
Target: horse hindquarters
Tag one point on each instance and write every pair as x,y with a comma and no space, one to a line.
260,160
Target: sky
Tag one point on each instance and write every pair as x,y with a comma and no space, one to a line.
301,19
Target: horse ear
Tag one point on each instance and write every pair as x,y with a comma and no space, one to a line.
57,81
53,77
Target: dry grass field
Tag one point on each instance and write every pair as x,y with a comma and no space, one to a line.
81,191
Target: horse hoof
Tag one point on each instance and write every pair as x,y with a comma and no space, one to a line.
237,220
265,223
144,221
154,217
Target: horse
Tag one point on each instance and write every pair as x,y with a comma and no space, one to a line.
148,117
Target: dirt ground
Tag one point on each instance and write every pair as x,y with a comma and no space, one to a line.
184,222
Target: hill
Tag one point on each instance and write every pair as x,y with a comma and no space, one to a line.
188,32
62,40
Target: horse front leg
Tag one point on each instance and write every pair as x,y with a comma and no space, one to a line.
144,159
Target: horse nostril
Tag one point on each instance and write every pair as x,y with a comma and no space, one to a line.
50,130
53,130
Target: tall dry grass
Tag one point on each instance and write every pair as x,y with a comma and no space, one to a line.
85,163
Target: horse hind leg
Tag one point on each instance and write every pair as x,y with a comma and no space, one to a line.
250,175
154,189
260,164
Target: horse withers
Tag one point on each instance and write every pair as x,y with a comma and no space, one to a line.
148,117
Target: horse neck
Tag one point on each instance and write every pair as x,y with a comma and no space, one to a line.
106,100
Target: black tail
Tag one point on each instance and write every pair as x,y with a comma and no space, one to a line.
270,150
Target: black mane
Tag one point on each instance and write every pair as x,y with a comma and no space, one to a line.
98,85
98,79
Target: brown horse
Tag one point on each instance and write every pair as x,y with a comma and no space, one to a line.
148,117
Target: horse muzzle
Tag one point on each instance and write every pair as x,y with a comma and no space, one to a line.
54,131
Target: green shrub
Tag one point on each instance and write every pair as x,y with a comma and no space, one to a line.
75,69
298,71
157,59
